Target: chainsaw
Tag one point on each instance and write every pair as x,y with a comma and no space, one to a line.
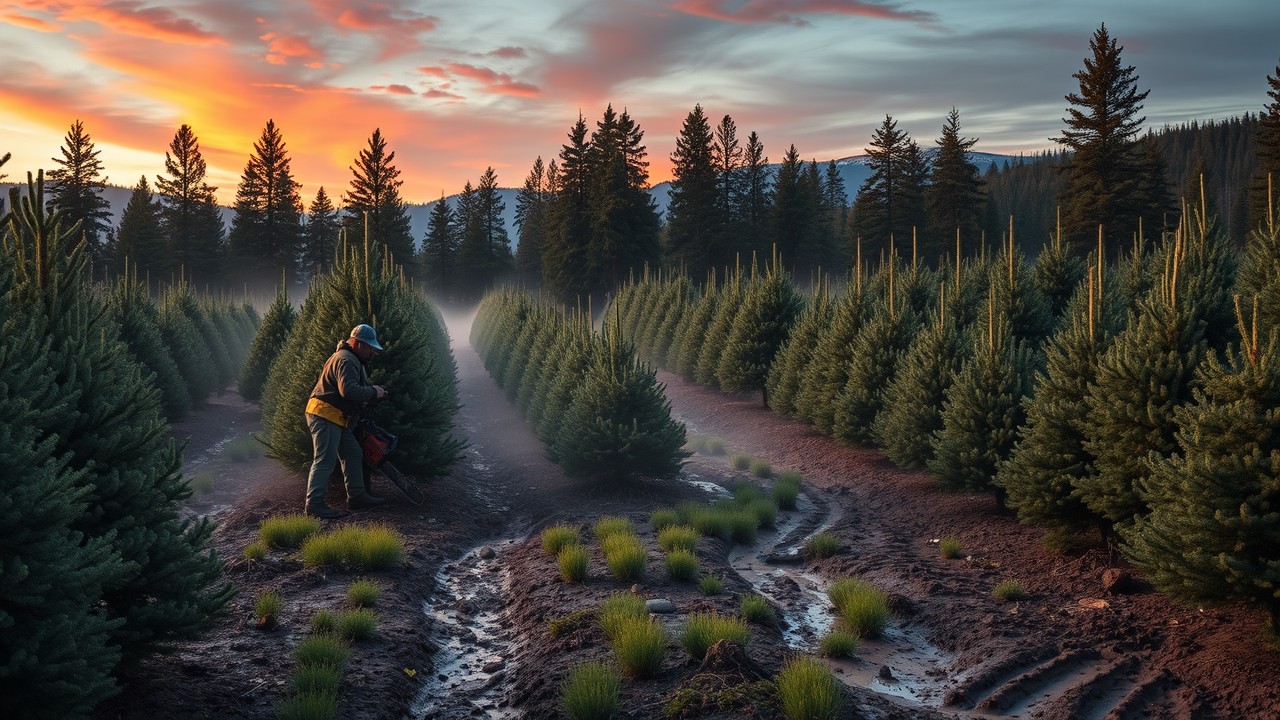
378,446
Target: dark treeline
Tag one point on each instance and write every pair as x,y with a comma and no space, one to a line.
586,221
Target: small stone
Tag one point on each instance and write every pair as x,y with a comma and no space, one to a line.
494,664
487,553
660,606
635,589
885,673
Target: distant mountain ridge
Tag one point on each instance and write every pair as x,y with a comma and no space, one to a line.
854,170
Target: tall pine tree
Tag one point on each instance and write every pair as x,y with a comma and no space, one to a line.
319,235
139,241
189,211
265,231
76,186
694,227
373,204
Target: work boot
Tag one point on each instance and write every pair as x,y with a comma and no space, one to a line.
321,510
364,500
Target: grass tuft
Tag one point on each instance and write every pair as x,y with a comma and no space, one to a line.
662,519
324,622
363,593
288,531
612,525
702,630
695,443
761,468
256,551
267,607
822,545
766,513
949,548
617,609
243,449
756,609
707,520
201,482
1010,590
573,563
682,565
625,556
839,644
786,489
556,537
715,445
558,626
742,526
862,607
309,706
678,537
590,692
358,624
325,649
641,646
317,679
809,690
711,585
372,547
740,461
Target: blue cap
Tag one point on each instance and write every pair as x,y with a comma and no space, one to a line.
367,335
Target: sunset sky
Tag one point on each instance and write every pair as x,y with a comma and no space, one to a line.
459,85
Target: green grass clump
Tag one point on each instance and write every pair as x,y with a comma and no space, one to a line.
786,489
201,482
590,692
358,624
702,630
613,525
695,443
1010,590
267,607
309,706
317,679
617,609
324,649
288,531
641,645
373,547
744,493
682,565
756,609
678,537
324,622
715,445
761,468
625,556
256,551
765,511
711,585
558,626
573,563
822,545
839,644
363,593
740,461
243,449
949,548
742,526
862,607
809,690
707,520
662,519
556,537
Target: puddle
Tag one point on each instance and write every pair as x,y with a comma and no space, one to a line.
706,485
475,653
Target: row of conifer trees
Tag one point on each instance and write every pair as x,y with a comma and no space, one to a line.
364,285
1130,399
98,571
600,411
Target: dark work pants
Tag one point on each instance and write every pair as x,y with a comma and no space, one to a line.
333,444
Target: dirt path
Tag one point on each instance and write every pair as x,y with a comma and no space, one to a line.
464,636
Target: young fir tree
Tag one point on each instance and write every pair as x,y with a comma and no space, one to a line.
522,351
373,207
914,398
1051,459
828,371
198,313
689,337
189,211
266,346
1150,370
186,344
716,335
1057,275
55,647
650,316
130,307
770,306
104,422
319,235
539,359
1210,536
983,411
76,185
794,357
563,343
1012,284
872,363
563,377
364,286
1260,270
664,335
139,245
619,422
265,232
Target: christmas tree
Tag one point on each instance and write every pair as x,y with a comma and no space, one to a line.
139,324
266,346
793,358
761,326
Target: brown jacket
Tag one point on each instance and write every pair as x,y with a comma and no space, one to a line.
344,383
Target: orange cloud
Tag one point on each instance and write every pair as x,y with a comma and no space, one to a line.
493,81
380,17
508,53
394,89
30,23
791,12
283,48
137,19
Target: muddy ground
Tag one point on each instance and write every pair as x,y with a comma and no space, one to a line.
465,635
